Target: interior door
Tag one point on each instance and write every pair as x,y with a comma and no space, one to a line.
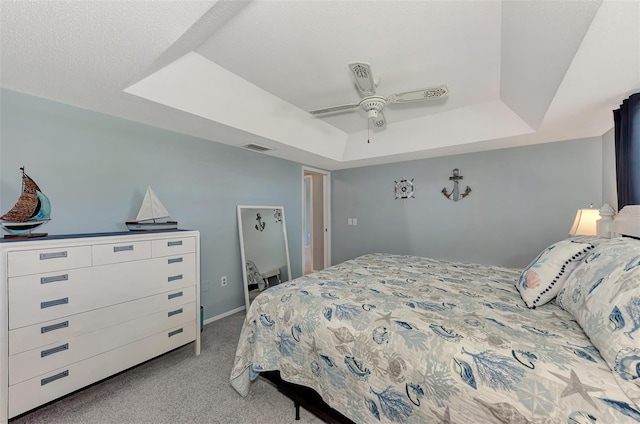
316,220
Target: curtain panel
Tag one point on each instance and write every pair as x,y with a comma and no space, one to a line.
627,146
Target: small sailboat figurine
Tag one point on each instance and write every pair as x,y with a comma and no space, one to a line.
31,210
151,210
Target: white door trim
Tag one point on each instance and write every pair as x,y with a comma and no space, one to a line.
326,180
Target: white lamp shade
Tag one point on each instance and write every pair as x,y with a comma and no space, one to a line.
585,223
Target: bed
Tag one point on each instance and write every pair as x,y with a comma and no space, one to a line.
392,338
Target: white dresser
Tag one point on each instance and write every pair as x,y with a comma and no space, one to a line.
77,309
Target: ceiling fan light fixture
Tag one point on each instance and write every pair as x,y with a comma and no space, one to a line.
372,114
375,103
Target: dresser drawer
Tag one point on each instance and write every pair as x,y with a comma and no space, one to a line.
174,270
47,260
125,251
43,297
32,363
59,382
173,246
49,332
86,289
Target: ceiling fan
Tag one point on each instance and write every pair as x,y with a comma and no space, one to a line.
374,104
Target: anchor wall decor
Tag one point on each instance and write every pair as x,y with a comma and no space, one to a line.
455,193
260,225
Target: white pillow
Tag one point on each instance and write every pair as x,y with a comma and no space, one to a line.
545,276
603,295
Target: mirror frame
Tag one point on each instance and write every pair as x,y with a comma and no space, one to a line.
243,258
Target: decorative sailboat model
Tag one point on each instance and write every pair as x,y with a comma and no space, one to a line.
151,210
30,211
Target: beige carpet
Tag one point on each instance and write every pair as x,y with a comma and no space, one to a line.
177,387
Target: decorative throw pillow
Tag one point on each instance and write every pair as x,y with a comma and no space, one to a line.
544,277
603,295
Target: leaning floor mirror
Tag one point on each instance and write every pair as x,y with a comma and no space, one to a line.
264,249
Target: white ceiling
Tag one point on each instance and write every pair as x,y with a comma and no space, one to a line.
236,72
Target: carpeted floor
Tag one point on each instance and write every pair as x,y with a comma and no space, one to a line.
176,388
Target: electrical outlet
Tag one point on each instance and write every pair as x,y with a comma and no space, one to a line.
204,286
223,281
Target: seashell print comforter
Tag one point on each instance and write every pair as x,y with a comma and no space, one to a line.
391,338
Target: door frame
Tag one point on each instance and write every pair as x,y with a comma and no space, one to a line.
326,198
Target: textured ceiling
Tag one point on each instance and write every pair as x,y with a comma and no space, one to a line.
238,72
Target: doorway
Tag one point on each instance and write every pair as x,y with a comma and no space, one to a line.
316,241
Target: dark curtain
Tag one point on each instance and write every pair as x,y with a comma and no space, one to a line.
627,139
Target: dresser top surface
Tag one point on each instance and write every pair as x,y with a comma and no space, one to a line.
89,235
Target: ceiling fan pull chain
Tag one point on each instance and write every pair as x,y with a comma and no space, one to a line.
368,131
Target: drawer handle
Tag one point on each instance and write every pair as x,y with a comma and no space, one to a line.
176,312
53,255
174,332
56,302
46,280
174,243
53,327
175,277
58,376
54,350
174,295
174,260
117,249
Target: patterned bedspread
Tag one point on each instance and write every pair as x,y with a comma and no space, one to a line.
388,338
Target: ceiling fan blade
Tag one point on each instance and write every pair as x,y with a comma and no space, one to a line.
364,77
425,94
379,121
334,109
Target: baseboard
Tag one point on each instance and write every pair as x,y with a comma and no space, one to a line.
226,314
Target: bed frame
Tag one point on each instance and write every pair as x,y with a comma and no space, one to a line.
306,397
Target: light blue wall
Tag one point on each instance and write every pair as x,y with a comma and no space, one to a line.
95,169
523,199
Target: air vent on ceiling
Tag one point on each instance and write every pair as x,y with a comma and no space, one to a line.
256,147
